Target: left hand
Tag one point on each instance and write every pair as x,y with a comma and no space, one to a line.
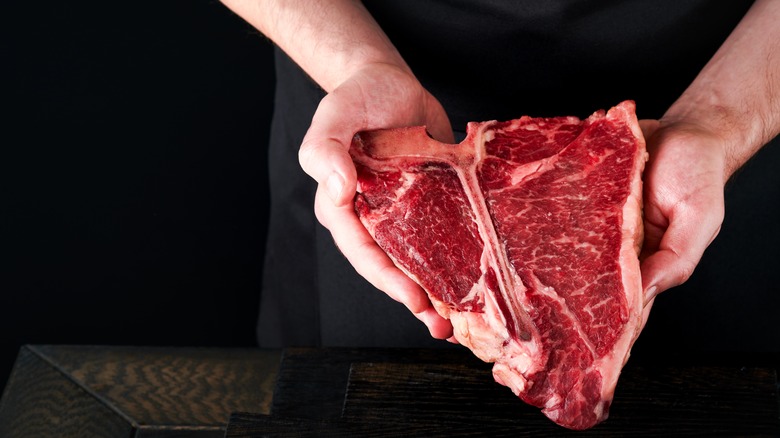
377,96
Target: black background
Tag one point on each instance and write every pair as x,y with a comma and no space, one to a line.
133,174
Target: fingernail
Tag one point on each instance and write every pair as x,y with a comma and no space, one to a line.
650,293
334,185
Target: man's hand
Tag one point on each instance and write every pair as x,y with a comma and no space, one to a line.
727,114
369,86
683,202
378,96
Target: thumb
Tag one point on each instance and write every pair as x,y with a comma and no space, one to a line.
678,253
324,153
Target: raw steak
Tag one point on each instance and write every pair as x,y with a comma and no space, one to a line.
525,236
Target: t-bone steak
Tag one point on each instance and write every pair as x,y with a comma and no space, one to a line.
526,237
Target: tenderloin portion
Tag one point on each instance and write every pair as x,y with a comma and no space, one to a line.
526,236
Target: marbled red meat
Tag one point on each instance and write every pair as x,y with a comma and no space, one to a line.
526,236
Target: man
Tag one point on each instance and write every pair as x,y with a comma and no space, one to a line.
484,61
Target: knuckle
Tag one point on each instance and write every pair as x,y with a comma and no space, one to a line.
685,271
316,156
307,152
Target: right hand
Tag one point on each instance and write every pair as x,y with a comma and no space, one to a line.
376,96
683,201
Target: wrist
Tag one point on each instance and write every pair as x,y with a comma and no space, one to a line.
734,96
738,132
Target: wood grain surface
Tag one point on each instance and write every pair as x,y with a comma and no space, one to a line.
342,392
134,391
140,392
39,402
688,401
312,383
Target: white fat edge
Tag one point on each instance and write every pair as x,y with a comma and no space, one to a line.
631,278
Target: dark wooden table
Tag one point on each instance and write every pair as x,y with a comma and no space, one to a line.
141,392
429,393
66,391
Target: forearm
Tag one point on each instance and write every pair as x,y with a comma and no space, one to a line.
737,94
330,40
